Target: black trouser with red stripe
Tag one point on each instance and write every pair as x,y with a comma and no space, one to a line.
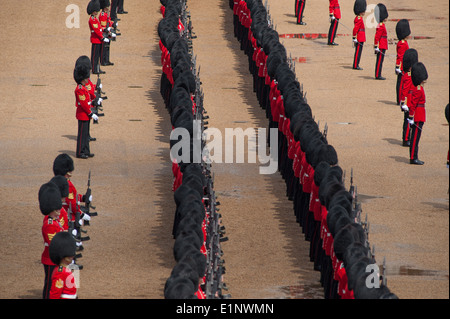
333,30
416,132
95,56
48,269
83,138
399,81
379,64
104,54
358,51
299,8
406,128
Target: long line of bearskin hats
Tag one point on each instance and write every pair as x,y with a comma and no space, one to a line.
178,86
307,163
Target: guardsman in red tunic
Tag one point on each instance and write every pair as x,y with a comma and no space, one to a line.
50,205
97,38
63,186
299,8
359,31
409,59
62,251
335,15
417,114
403,31
83,112
380,43
106,25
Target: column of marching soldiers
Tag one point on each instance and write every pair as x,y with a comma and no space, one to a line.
328,213
66,211
197,228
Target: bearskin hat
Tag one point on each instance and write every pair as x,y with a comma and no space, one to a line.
418,73
402,29
93,6
410,58
62,245
62,184
49,198
84,59
104,4
381,13
62,164
359,7
81,72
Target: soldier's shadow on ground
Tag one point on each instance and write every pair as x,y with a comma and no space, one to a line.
32,294
400,159
68,152
70,137
392,141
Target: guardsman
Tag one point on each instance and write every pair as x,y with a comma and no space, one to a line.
417,113
63,165
63,187
84,113
62,251
403,31
106,24
406,88
359,31
380,43
50,205
335,15
299,8
97,38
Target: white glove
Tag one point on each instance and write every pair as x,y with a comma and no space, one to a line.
405,108
355,40
80,221
113,35
332,17
86,217
95,117
108,28
377,50
106,40
100,86
90,198
410,121
100,100
74,232
398,71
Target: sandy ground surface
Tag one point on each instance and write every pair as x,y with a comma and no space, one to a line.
130,251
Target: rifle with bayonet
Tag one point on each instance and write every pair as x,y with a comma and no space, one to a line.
87,203
97,105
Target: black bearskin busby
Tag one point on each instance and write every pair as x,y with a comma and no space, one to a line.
62,245
410,58
381,13
93,6
62,184
49,198
402,29
418,73
62,164
359,7
81,72
104,4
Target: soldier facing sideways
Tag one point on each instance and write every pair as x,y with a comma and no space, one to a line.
403,31
97,38
335,15
62,251
359,31
50,205
380,42
417,113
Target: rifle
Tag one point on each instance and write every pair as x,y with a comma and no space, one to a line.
96,105
87,202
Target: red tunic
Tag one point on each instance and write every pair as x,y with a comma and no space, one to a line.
63,284
96,30
50,227
83,103
359,30
402,46
417,104
72,200
381,37
335,9
406,87
64,219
